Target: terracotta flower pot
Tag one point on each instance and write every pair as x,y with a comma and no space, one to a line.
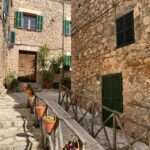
29,92
24,86
49,123
40,110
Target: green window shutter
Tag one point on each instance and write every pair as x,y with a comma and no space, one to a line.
12,37
67,27
67,60
18,19
6,6
5,9
39,23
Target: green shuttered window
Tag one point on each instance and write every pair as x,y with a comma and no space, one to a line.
67,60
6,6
5,9
26,21
18,19
39,23
67,27
12,37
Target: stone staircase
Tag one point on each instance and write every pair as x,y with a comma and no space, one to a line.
16,126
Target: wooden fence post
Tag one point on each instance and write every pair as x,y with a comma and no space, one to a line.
114,133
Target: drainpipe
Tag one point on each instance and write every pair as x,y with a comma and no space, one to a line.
63,38
62,64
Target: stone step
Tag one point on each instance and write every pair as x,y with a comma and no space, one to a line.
16,116
12,136
13,112
9,124
18,145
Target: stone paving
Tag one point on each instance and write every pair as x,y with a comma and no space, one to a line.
12,131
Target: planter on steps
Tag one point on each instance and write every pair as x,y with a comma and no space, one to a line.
49,123
23,86
40,109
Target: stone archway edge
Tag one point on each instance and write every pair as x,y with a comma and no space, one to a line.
88,142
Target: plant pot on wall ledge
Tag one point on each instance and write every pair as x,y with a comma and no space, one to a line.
40,109
49,123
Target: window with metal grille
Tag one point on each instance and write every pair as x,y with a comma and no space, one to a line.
125,30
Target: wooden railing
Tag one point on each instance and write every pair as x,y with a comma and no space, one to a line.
73,103
66,130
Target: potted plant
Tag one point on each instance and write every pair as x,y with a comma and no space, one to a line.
47,79
40,109
30,95
29,91
11,82
49,123
42,61
55,64
23,86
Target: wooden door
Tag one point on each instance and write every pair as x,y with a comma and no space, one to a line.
112,95
27,66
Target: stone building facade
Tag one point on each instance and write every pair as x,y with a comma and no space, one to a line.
32,24
97,54
2,51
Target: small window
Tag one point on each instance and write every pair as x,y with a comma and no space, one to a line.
125,30
29,22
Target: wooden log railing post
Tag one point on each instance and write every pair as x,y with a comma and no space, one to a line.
148,134
76,110
61,134
122,129
103,125
59,96
57,146
51,145
93,120
114,133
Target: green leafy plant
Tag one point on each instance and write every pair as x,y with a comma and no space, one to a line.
11,82
42,57
15,85
55,65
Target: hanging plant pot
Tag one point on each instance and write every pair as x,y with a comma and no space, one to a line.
40,109
49,123
29,92
24,86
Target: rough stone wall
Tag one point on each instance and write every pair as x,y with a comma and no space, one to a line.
52,11
95,54
1,56
2,53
